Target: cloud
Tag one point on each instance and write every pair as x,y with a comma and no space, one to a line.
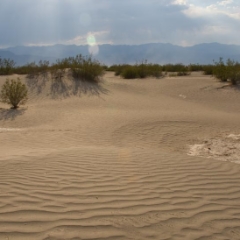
225,2
220,20
46,22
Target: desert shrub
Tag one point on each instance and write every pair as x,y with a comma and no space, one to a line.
155,70
32,70
172,74
105,67
130,72
86,68
63,63
195,67
175,68
141,70
80,68
229,71
13,92
113,68
233,71
6,66
118,69
220,70
43,66
208,69
179,74
21,70
57,70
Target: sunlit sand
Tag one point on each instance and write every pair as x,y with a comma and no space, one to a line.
124,159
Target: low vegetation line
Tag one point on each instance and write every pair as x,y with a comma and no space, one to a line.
80,67
89,69
228,71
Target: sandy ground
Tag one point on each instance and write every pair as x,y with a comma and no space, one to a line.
125,159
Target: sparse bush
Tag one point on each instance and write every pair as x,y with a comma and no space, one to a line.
175,68
179,74
195,67
86,68
172,74
118,69
14,93
105,67
142,70
233,71
130,72
32,70
220,70
227,72
6,66
155,70
208,69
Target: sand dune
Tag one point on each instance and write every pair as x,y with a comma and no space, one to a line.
124,159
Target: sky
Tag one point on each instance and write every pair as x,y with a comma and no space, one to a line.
95,22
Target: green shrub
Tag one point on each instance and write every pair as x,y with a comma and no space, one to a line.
227,72
220,70
14,93
175,68
142,70
172,74
130,72
208,69
6,66
118,69
195,67
233,71
86,68
179,74
32,70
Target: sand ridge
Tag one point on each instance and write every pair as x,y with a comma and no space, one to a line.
111,161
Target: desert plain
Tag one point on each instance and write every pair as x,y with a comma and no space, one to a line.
123,159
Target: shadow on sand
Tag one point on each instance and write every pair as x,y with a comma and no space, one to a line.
228,85
10,114
37,82
61,87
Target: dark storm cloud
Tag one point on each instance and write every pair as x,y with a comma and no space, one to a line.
116,21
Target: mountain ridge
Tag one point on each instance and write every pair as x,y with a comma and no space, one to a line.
161,53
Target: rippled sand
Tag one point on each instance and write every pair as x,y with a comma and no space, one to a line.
125,159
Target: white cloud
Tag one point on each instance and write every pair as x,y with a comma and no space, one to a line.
227,8
91,38
179,2
225,2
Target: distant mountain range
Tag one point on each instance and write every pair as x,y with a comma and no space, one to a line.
161,53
